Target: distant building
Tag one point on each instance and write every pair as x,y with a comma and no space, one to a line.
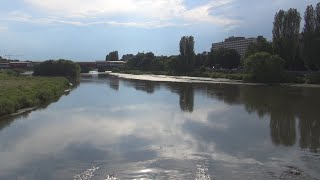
16,64
240,44
4,65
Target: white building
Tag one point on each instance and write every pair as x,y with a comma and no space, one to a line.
240,44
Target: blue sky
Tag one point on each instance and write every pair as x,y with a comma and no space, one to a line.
86,30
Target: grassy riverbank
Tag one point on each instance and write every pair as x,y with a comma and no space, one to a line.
25,92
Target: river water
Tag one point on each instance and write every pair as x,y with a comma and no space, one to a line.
111,128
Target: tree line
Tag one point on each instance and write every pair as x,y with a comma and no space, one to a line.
290,50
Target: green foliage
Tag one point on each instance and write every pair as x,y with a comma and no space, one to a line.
127,57
61,67
226,58
264,67
262,45
24,92
113,56
317,15
202,59
85,69
286,31
311,39
8,73
187,54
293,77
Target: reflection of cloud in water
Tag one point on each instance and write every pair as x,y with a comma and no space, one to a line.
106,131
130,139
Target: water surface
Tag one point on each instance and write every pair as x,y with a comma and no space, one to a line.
129,129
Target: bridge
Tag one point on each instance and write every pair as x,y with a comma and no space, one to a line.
9,64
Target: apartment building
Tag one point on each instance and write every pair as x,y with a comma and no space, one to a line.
240,44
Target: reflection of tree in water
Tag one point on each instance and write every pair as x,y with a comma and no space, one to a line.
284,105
186,95
309,125
146,86
227,93
283,128
7,120
273,101
141,85
114,83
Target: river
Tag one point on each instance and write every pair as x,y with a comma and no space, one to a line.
111,128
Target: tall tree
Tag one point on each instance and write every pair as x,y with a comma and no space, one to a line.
187,50
278,32
308,33
286,29
317,16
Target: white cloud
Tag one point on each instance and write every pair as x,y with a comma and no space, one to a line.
138,13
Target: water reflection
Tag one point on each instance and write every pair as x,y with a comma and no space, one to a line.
186,95
114,83
283,106
110,127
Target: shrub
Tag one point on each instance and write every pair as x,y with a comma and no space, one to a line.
6,107
61,67
264,67
312,78
226,58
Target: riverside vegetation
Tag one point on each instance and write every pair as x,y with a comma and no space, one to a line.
19,92
291,57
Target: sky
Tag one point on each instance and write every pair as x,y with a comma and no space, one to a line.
86,30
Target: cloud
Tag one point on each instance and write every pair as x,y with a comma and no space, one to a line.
3,28
55,20
137,13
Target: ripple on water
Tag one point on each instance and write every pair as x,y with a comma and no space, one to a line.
86,175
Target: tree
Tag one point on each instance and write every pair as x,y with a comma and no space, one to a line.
187,50
61,67
201,59
262,45
278,33
286,30
226,58
264,67
113,56
147,60
317,15
127,57
308,34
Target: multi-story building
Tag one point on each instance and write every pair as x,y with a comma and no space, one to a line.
240,44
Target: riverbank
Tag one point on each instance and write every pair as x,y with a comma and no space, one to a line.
189,79
287,77
17,93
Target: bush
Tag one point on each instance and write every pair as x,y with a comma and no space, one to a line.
264,67
312,78
226,58
294,77
61,67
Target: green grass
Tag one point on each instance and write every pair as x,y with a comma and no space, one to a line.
24,92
